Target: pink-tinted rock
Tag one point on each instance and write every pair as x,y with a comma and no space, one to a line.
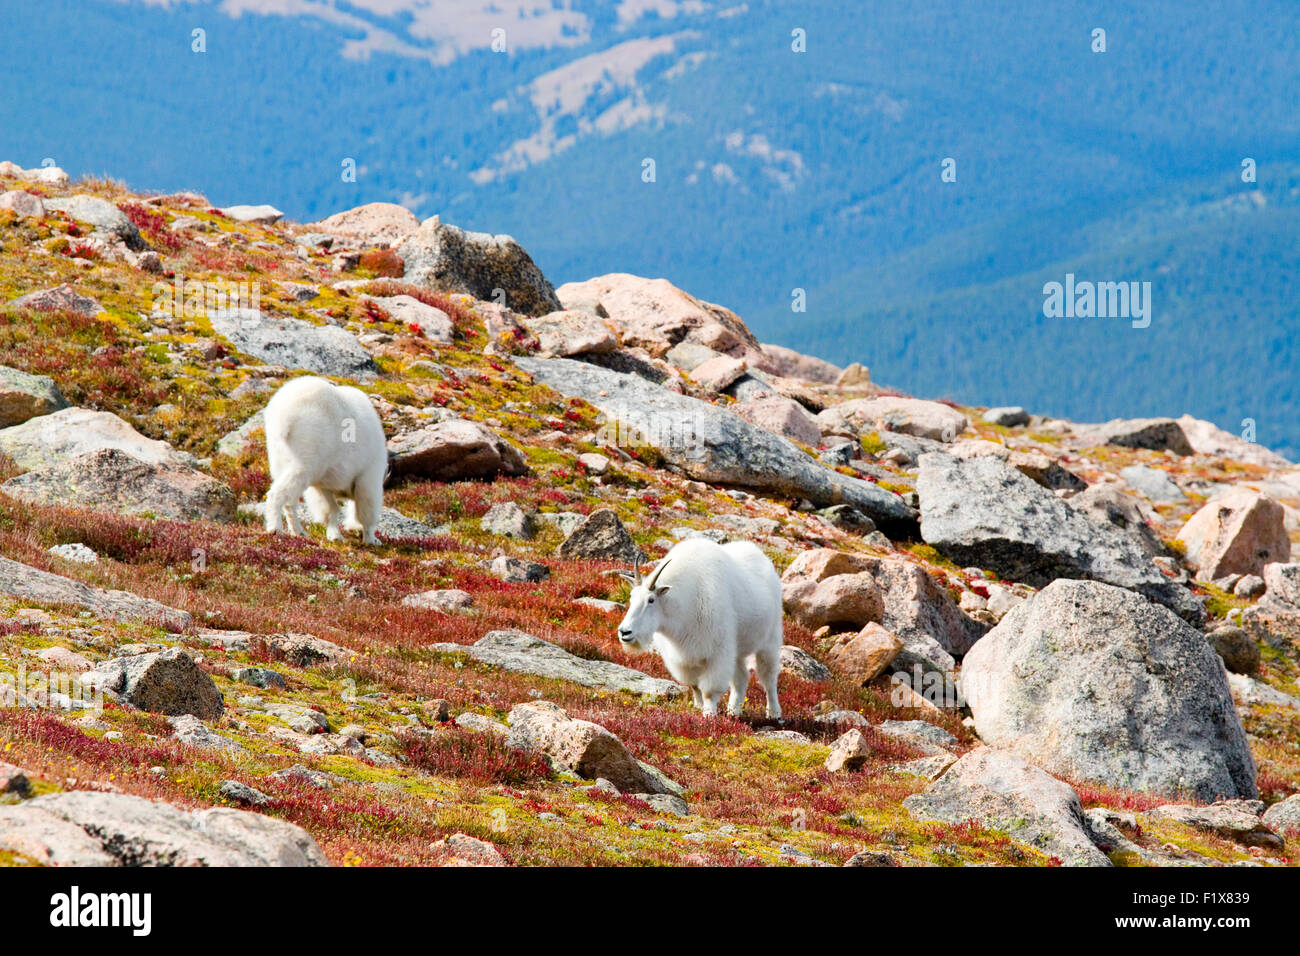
1237,533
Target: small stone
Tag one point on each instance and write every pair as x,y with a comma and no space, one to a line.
243,793
849,752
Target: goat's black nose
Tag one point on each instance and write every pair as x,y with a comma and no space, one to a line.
624,632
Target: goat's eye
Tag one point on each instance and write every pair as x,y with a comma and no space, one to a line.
650,601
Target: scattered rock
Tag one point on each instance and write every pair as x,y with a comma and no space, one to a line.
580,746
161,682
88,828
980,512
30,584
59,297
1156,434
601,537
23,204
518,570
409,311
849,752
243,793
1208,439
522,653
102,214
235,443
24,396
1238,649
77,553
1284,816
53,439
110,479
293,343
480,724
262,215
1249,586
791,364
567,333
1283,582
1011,416
1003,792
443,601
781,416
871,858
711,444
1237,820
719,372
462,850
374,224
1096,683
449,259
454,450
1238,532
509,520
864,656
911,416
1152,482
192,732
797,661
655,315
848,518
1106,503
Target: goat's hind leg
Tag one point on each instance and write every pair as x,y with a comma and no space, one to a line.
282,501
323,507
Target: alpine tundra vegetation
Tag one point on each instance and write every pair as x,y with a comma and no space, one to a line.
451,687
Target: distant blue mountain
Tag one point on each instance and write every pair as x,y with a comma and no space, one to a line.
774,170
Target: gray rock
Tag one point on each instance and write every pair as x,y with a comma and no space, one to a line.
1238,649
243,793
449,259
1107,504
444,601
1249,586
110,479
162,682
1096,683
797,661
24,396
323,349
235,443
87,828
848,518
509,520
522,653
1010,416
41,587
262,677
713,445
101,214
392,526
1284,816
192,732
1237,820
600,537
53,439
23,204
518,570
1002,791
77,553
1157,434
1283,582
669,803
1152,482
982,512
920,732
453,450
262,215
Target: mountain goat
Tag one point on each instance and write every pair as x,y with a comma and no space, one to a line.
325,441
710,610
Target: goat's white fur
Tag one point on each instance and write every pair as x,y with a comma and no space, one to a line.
323,442
711,611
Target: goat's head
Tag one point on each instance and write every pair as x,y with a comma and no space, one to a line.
637,630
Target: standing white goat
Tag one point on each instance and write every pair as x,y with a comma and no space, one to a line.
324,441
710,610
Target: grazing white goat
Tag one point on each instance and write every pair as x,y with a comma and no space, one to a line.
710,610
323,442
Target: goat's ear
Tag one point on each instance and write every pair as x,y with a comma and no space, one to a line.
661,591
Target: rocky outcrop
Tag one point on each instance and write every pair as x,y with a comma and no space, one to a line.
162,682
781,416
24,396
1155,434
788,363
1094,682
524,654
453,450
411,312
1208,439
85,828
981,512
110,479
59,297
1236,533
105,217
492,268
1003,792
42,587
710,443
1107,504
323,349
